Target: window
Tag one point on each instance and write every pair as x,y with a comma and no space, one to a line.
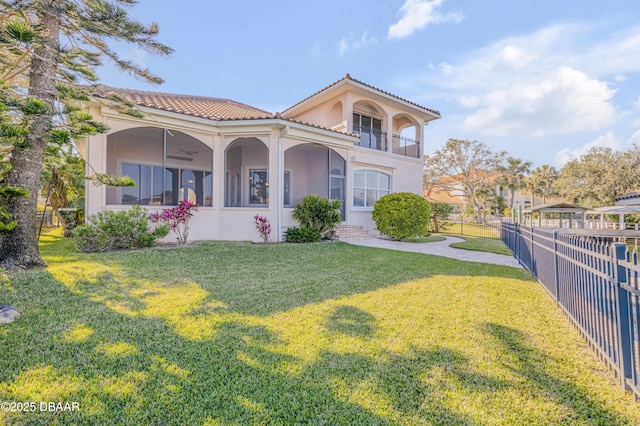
258,187
369,186
360,120
287,189
370,131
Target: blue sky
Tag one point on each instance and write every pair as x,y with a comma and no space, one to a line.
542,80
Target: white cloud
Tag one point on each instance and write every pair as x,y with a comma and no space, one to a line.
343,46
515,57
637,103
417,14
563,101
315,50
635,138
469,101
351,43
608,140
542,51
556,80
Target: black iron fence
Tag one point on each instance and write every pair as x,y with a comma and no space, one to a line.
594,279
371,138
489,230
46,219
405,146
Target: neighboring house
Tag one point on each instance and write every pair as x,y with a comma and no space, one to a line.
456,195
347,141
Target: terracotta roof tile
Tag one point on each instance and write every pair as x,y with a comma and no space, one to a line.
196,106
434,194
348,77
217,109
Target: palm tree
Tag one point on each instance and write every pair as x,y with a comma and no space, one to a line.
513,176
63,180
532,187
545,177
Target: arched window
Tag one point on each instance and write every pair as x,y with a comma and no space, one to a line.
166,165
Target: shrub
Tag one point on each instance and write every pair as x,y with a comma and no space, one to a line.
109,230
440,212
304,234
177,219
402,215
317,212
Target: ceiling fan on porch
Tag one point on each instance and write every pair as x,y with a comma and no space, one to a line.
183,155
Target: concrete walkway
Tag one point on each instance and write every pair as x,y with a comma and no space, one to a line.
441,248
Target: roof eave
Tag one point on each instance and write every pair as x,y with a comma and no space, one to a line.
434,115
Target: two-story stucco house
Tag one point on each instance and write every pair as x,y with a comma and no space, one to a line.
344,141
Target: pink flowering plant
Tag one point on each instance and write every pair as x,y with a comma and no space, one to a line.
177,219
263,226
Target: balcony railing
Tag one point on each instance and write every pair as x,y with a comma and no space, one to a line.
371,138
405,146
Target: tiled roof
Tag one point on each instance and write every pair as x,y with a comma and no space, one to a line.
348,77
628,196
217,109
196,106
434,194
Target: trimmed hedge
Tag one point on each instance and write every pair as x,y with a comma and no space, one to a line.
402,215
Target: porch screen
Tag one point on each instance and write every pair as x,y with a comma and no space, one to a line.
167,166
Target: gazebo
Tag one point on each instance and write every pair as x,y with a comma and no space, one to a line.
561,208
629,199
620,210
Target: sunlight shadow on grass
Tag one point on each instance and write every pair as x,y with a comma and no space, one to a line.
351,321
225,333
534,369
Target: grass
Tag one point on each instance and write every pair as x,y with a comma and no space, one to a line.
226,333
429,239
490,245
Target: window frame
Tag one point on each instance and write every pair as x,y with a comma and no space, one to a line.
366,187
251,185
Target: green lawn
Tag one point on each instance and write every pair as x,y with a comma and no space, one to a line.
429,239
228,333
490,245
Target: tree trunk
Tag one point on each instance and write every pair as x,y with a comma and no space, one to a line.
66,226
513,196
476,206
20,246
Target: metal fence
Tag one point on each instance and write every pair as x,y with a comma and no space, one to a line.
46,219
594,279
489,230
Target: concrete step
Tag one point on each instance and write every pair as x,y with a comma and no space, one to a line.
352,232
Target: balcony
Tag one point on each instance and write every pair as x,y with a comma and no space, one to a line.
371,138
405,146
